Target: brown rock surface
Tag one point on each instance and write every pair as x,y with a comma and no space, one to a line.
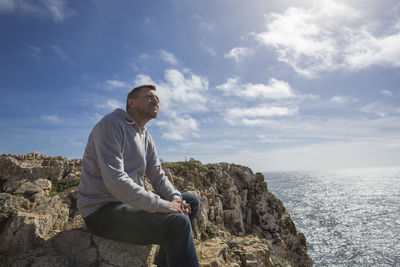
240,223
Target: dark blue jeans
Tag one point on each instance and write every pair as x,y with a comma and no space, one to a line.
173,231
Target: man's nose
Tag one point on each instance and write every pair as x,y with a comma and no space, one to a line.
154,100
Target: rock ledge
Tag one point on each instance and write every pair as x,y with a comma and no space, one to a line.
240,223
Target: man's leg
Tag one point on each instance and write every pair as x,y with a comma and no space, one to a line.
193,201
122,222
194,204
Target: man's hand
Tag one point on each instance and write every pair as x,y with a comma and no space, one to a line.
179,206
185,208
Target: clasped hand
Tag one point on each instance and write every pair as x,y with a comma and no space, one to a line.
179,206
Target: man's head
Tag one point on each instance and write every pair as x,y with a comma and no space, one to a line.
135,91
142,103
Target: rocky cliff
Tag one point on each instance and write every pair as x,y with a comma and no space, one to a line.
240,223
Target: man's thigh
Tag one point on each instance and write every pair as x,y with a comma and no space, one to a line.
122,222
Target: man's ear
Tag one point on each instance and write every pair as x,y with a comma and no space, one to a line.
131,103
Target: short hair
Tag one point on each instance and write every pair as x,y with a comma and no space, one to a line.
135,91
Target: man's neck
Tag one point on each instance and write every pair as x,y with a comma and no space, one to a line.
137,118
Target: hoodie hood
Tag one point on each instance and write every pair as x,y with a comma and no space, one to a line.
120,113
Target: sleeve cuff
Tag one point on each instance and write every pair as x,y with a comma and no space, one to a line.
164,206
176,196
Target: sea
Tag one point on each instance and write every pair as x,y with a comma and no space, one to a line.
350,217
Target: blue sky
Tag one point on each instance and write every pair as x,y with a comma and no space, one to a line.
274,85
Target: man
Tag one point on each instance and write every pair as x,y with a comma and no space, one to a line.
111,196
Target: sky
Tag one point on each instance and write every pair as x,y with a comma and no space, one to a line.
273,85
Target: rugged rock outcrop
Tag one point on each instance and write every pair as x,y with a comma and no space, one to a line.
240,223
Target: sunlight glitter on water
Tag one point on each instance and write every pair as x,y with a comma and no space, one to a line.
350,217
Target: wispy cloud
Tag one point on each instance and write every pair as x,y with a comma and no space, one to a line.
381,109
386,92
168,57
256,115
60,53
32,51
110,104
202,23
203,44
115,84
329,36
238,53
51,118
274,89
339,99
148,21
144,56
57,9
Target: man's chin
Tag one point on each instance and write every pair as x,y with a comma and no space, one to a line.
153,115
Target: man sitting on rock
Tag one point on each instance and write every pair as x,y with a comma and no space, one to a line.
112,198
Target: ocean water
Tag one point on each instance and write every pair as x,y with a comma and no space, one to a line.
350,217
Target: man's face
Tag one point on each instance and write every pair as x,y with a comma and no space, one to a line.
146,104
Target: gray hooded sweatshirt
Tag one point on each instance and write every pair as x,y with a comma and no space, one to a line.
117,156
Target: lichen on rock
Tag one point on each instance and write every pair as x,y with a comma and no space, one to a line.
240,223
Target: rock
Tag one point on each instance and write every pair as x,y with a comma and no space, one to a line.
212,253
239,202
239,223
7,207
8,211
124,254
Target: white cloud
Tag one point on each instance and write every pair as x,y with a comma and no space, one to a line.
339,99
386,92
308,135
186,90
144,79
372,152
111,104
51,118
57,9
238,53
180,93
116,84
367,50
275,89
168,57
179,128
257,115
329,36
322,128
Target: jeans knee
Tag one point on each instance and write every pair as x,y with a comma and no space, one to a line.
183,220
196,201
179,222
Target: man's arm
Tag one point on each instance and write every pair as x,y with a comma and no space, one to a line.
157,176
